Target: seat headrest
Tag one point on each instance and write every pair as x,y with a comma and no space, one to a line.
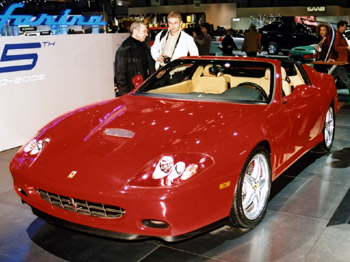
267,73
199,71
283,73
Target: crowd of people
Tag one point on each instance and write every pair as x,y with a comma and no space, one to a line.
135,57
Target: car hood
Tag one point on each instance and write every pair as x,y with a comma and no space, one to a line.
308,48
110,142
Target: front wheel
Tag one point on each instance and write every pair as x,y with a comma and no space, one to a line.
252,191
272,49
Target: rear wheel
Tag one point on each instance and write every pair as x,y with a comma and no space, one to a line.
252,191
328,131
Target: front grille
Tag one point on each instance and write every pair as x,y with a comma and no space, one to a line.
81,206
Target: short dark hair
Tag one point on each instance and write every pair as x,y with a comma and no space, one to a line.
252,27
135,25
206,26
342,23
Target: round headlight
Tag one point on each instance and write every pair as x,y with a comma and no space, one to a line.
163,167
166,164
177,171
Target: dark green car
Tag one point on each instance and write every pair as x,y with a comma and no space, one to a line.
305,54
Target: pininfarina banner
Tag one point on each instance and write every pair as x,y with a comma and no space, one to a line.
44,19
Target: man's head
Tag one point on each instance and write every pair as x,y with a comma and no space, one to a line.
174,22
205,28
138,31
341,25
252,27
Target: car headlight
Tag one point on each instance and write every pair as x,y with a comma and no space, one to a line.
36,146
171,170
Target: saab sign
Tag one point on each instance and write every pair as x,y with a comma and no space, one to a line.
45,19
316,9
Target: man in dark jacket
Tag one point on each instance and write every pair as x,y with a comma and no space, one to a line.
204,41
340,44
342,50
228,44
133,58
251,44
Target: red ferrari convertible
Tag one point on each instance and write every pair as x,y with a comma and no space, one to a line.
196,145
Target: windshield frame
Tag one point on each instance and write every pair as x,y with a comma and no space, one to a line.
192,64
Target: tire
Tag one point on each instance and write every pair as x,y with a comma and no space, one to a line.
252,191
272,49
328,132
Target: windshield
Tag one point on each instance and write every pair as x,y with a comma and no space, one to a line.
228,80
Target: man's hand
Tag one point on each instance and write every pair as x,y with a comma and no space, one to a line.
160,58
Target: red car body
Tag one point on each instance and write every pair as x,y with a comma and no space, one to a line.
82,159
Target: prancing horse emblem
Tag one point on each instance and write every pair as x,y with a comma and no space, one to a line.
72,174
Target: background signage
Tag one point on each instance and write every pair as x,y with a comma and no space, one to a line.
44,19
42,77
316,9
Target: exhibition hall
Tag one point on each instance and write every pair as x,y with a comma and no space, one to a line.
161,130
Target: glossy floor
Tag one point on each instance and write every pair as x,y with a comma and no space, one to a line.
307,220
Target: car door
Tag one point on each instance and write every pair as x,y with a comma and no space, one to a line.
302,114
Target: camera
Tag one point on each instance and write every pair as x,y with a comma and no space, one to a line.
166,59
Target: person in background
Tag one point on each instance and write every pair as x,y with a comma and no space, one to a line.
132,58
341,49
173,43
228,44
203,42
322,47
340,44
251,44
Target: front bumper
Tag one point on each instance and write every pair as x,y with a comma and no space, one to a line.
124,236
185,213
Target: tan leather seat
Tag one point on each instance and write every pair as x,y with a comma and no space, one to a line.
206,71
265,82
196,76
213,85
286,87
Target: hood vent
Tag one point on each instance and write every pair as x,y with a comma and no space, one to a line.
118,132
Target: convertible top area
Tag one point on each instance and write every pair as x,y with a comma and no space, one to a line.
228,80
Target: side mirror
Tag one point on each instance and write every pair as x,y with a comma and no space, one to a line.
300,91
305,91
137,81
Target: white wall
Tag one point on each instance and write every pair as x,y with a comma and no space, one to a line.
71,71
216,14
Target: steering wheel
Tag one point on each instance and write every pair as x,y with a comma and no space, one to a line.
255,87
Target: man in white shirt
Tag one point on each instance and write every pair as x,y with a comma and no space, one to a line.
174,44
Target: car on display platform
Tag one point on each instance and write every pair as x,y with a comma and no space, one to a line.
281,36
193,147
